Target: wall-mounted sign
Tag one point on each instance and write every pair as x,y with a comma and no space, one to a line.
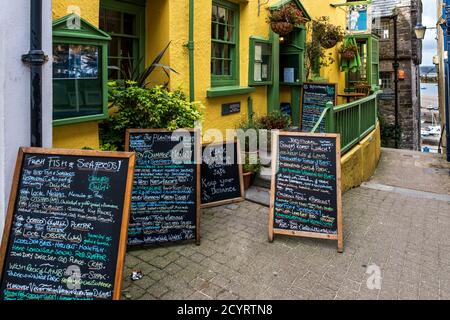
230,108
359,20
401,74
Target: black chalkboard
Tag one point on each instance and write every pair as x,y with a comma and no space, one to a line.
165,203
221,176
315,96
66,230
306,196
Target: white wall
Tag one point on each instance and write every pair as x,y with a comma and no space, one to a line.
15,89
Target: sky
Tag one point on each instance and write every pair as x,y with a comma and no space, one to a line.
429,19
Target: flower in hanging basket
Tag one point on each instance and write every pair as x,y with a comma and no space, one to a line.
348,51
328,34
283,20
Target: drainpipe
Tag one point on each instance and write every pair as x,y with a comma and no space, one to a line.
36,59
396,66
190,46
447,91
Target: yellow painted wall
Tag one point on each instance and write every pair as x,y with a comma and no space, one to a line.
360,163
84,134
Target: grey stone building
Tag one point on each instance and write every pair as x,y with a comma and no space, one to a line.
409,56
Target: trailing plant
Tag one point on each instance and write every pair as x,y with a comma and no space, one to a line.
348,51
133,75
328,34
284,19
141,108
250,167
322,34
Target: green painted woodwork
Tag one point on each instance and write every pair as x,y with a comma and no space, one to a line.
228,91
87,35
233,78
254,41
353,121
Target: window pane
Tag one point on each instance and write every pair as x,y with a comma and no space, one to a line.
222,12
230,18
214,13
217,50
230,31
113,74
218,67
129,24
221,35
226,51
114,47
227,67
126,47
113,21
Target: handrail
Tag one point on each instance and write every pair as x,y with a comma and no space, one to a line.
353,121
322,117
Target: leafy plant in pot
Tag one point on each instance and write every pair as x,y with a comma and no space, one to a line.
348,51
328,34
250,170
283,20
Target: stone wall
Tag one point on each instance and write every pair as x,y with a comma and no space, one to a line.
410,56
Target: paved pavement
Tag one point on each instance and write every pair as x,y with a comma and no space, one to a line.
400,237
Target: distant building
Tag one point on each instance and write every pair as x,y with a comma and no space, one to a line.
409,57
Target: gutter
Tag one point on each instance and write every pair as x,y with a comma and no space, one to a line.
35,59
191,46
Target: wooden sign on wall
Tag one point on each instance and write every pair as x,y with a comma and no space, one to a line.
306,187
221,178
166,200
66,229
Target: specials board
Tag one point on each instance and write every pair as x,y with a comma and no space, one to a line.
165,204
306,195
315,97
66,228
221,177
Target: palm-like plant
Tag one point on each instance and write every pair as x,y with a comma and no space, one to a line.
137,77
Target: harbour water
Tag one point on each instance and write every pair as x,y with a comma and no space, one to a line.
430,130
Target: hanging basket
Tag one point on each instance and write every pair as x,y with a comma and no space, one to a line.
282,28
328,43
348,55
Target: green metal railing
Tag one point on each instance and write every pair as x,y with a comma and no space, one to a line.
353,121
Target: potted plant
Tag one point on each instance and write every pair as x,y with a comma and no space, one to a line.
348,51
283,20
328,34
250,170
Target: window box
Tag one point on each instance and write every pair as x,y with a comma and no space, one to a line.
228,91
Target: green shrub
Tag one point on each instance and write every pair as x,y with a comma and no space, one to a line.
145,108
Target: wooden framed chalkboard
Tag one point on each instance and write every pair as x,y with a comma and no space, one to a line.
221,177
315,96
166,202
306,196
66,229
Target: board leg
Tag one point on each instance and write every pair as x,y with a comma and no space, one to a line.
340,245
270,237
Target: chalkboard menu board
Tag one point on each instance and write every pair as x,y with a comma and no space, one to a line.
315,96
306,196
165,204
66,229
221,177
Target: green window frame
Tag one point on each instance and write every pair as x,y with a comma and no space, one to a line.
78,98
224,44
129,33
369,46
260,62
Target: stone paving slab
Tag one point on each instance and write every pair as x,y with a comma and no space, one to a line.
406,237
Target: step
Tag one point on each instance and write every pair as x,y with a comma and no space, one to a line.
258,195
